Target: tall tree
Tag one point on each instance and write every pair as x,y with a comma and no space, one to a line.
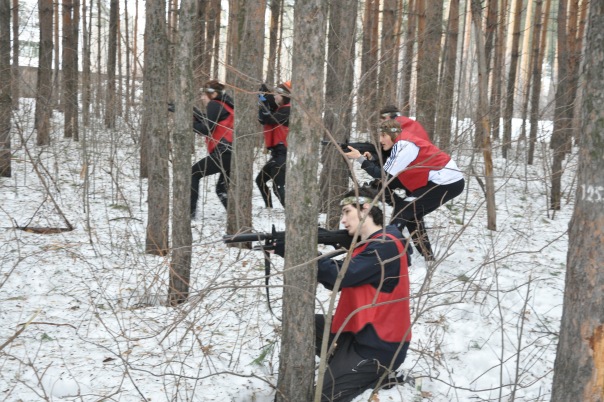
428,55
570,38
182,141
16,79
296,362
579,365
447,87
410,40
5,89
70,102
497,72
86,80
273,55
338,104
387,78
155,111
44,82
110,98
248,64
482,118
511,83
367,97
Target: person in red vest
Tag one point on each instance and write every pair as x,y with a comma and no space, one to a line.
409,126
371,327
273,114
428,175
217,126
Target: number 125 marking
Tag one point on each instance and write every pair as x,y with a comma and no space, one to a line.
592,193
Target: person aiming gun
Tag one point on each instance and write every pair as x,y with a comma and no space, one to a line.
273,114
371,328
428,175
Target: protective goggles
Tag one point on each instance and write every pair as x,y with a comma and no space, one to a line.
390,130
281,91
356,200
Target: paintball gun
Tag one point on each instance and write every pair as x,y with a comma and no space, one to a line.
362,147
335,238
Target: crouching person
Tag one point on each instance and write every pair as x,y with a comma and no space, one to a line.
372,315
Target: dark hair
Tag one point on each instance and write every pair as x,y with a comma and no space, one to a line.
213,86
284,89
367,192
390,109
391,127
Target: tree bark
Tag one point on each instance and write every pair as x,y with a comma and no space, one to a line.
508,113
86,80
44,86
338,105
272,74
410,39
296,362
155,99
16,79
579,365
446,98
182,141
428,56
110,98
367,98
5,90
387,78
70,102
248,64
497,73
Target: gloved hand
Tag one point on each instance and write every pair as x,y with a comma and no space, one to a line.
279,248
171,107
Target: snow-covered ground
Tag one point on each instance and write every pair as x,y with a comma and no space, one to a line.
84,317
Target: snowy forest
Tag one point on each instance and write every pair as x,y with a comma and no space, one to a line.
110,290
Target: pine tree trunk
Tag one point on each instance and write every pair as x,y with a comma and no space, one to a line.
579,365
86,80
410,40
110,98
5,90
155,110
276,11
497,73
296,360
44,86
16,79
248,57
387,78
511,84
443,130
367,99
182,141
338,105
428,56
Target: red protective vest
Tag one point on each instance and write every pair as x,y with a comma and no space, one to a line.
222,129
412,129
275,133
430,157
391,321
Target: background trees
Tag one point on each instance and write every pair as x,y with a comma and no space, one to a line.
377,52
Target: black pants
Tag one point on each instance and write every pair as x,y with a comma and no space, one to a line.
348,374
215,163
273,170
410,213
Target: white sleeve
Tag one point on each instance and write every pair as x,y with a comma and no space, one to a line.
403,153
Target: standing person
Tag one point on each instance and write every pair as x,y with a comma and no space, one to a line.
410,126
273,114
428,175
217,126
372,315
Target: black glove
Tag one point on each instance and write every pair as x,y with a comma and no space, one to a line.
266,99
375,184
279,248
171,107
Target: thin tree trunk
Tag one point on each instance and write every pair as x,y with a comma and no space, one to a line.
155,110
429,50
511,84
410,40
580,355
443,131
497,73
482,118
44,86
276,11
5,90
180,264
527,65
338,105
58,76
86,80
387,78
134,55
296,360
99,80
110,99
249,57
367,101
16,78
127,78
